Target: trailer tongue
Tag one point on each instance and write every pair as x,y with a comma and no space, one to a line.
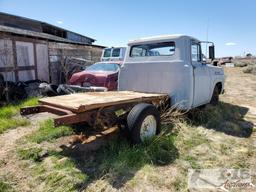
83,107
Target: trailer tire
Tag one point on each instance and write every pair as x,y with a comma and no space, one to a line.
143,122
215,96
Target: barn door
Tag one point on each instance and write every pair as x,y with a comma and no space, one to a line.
42,62
25,61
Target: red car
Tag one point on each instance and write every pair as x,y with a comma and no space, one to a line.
102,74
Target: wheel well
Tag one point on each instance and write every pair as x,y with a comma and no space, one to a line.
219,85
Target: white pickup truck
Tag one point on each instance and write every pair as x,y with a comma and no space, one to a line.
172,64
161,70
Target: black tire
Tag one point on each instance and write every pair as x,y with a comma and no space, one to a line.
136,117
51,90
215,96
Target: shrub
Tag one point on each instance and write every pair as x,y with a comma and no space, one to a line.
240,64
250,69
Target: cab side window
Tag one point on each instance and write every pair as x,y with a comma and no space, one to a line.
195,53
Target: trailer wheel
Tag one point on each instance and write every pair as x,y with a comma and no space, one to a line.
143,122
215,96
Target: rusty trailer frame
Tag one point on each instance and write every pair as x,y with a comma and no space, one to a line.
86,107
66,117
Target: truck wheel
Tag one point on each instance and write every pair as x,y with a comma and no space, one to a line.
143,122
215,96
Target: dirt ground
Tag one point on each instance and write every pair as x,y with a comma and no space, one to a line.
240,91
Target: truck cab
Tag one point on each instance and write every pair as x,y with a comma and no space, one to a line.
174,65
113,54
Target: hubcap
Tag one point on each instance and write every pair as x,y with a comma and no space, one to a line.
148,127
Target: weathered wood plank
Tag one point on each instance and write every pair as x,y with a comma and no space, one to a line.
81,102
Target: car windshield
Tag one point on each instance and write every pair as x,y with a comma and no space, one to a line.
103,67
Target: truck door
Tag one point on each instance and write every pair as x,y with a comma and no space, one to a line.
201,76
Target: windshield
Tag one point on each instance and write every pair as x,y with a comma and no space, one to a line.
103,67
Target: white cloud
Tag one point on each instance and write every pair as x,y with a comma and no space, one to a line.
60,22
230,44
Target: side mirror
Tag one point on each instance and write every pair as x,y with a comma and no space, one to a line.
211,52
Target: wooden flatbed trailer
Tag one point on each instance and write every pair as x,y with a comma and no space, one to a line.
137,110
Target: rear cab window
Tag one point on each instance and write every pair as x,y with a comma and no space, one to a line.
107,53
153,49
116,52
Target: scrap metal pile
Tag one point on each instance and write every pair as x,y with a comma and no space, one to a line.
15,91
64,89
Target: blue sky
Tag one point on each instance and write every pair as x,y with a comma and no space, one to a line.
231,24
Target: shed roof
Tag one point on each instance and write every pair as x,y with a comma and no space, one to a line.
42,23
40,35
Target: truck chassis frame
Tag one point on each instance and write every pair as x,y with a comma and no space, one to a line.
74,114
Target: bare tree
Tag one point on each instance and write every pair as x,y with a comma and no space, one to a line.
70,65
64,70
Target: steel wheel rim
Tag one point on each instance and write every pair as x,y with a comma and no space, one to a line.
148,127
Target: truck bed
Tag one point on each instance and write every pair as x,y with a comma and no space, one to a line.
81,102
